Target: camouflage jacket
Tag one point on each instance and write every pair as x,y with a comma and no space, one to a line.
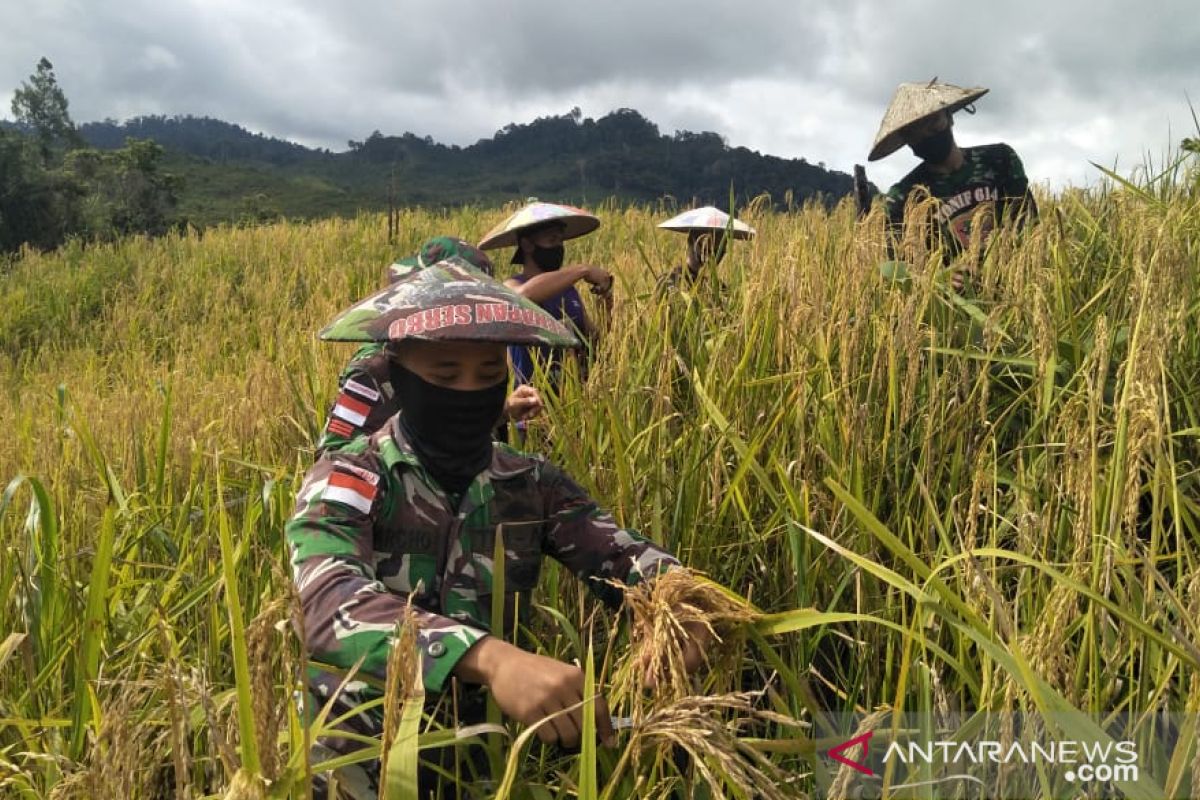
371,527
365,398
989,185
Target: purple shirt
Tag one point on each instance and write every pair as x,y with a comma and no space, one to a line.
567,307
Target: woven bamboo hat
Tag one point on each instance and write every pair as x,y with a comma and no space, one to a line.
914,102
707,218
574,221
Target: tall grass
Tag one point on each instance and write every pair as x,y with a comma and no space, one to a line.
939,503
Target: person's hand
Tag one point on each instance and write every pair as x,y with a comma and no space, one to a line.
600,279
529,688
958,278
699,639
523,404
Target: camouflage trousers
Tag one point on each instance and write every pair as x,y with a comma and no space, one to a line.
468,706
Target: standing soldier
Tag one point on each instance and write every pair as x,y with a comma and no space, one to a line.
977,187
407,520
708,230
366,388
538,231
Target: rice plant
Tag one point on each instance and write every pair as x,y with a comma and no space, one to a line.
908,501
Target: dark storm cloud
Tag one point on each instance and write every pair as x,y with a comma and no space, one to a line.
1071,81
543,46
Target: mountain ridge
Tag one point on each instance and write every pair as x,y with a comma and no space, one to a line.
231,172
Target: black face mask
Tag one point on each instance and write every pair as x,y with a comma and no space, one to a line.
548,259
449,429
934,148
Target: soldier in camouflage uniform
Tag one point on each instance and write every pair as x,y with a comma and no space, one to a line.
366,398
977,187
415,510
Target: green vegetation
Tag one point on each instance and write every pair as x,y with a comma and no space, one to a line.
231,174
939,502
52,188
150,174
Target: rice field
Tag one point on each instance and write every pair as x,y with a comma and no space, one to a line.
919,502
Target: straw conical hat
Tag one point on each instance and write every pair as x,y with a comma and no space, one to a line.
437,249
576,222
914,102
707,218
449,301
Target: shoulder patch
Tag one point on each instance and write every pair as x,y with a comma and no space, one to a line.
353,469
350,408
340,428
352,486
360,389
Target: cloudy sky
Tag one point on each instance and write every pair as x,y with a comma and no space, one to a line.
1071,81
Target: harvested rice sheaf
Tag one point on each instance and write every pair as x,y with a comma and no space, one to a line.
709,731
670,708
667,613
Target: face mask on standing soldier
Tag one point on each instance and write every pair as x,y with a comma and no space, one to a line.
934,148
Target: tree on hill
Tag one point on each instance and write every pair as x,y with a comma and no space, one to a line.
52,187
126,190
41,104
36,204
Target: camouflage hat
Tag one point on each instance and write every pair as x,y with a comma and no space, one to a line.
575,222
448,301
914,102
438,249
707,218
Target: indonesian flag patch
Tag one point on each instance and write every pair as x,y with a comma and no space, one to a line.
340,427
351,409
351,486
